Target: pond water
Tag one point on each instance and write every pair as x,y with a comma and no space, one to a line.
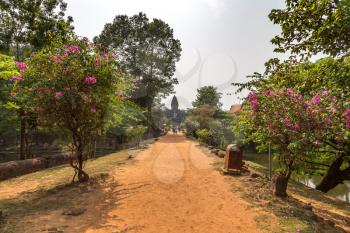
341,192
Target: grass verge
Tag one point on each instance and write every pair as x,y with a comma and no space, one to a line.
305,208
51,191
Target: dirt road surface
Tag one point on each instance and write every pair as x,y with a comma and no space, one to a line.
172,187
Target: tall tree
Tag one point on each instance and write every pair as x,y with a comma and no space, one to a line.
28,25
313,26
207,95
148,51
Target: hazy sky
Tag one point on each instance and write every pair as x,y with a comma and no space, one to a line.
223,41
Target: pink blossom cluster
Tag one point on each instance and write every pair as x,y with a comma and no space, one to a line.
71,48
15,78
74,49
252,96
288,123
90,80
58,94
112,56
22,66
267,92
316,99
56,59
347,117
253,100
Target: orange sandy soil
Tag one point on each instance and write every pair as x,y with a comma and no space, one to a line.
169,187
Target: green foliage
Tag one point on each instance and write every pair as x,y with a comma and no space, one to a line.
204,136
127,115
8,67
136,133
309,78
207,121
30,25
207,95
190,127
8,117
148,51
312,26
203,115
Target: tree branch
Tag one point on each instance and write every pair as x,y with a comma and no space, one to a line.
314,163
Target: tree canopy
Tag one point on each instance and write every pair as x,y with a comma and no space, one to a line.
148,51
28,25
207,95
312,26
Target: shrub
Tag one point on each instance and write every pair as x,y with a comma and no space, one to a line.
190,127
205,136
136,133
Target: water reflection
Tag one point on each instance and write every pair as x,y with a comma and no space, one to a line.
341,192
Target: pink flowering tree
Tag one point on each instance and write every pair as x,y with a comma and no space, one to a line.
74,87
325,87
333,137
292,123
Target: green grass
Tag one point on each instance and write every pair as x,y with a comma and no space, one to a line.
51,189
290,211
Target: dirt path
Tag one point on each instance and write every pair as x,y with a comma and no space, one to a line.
173,187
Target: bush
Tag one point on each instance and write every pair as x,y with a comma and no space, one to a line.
205,136
191,127
135,134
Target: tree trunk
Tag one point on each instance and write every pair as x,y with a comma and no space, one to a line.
281,186
78,167
281,183
22,153
334,176
82,176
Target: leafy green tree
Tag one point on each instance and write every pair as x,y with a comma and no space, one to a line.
130,115
136,133
148,51
28,25
207,121
312,26
72,86
8,69
207,95
8,117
